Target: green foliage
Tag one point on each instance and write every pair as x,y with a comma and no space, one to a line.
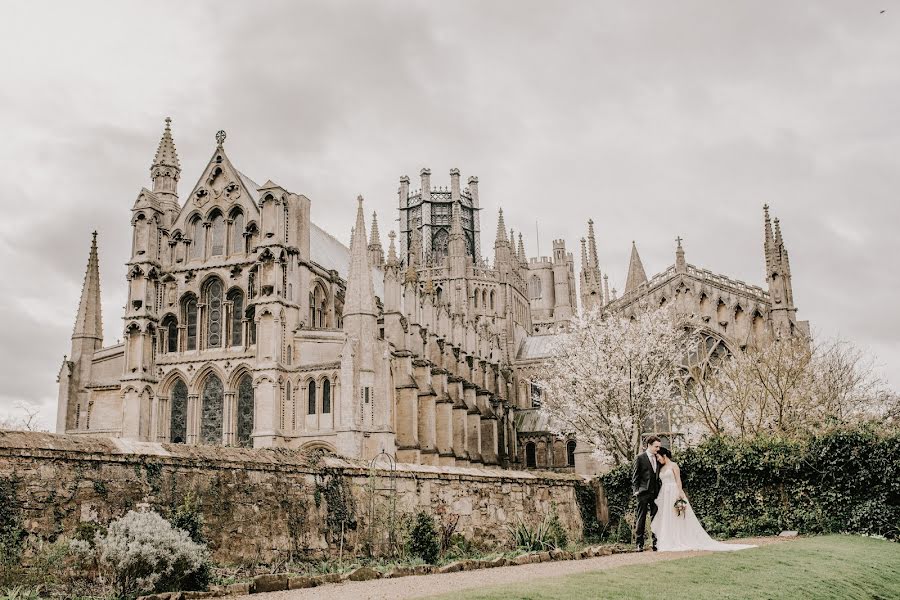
12,532
549,534
341,509
19,593
586,498
86,531
188,517
424,541
840,481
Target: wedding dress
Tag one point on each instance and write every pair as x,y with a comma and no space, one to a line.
684,532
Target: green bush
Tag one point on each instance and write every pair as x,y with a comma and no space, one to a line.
12,531
841,481
423,538
549,534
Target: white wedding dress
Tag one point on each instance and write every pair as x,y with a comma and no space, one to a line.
676,533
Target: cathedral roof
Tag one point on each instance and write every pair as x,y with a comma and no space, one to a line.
89,320
535,347
331,254
636,273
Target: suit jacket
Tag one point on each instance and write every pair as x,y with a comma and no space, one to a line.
643,479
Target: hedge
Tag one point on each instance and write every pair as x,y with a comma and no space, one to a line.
842,481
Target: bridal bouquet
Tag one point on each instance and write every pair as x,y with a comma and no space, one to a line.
680,507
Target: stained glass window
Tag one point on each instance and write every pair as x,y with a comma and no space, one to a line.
237,233
213,399
214,322
245,411
311,404
178,423
197,238
218,235
237,313
326,397
171,326
190,317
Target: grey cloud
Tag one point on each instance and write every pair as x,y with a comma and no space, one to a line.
656,119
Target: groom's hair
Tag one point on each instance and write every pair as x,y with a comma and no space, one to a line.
651,440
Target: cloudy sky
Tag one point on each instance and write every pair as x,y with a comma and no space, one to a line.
655,119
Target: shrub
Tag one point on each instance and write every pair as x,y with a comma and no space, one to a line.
19,593
423,538
840,481
549,534
189,518
142,552
12,532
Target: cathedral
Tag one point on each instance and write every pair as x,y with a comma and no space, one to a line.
248,325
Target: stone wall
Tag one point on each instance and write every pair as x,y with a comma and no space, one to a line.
263,504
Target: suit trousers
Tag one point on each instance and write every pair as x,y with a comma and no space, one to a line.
645,502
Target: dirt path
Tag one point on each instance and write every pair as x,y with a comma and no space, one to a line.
429,585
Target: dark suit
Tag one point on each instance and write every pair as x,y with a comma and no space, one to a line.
645,486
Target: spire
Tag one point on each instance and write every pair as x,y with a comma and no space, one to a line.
592,244
636,274
392,249
456,244
605,288
89,321
521,250
769,241
360,295
680,264
501,228
376,252
166,169
584,255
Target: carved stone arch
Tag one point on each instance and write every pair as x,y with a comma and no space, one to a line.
168,382
233,209
135,271
261,379
319,446
138,216
237,374
195,385
212,211
177,235
132,327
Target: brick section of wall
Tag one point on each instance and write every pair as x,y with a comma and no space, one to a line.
263,504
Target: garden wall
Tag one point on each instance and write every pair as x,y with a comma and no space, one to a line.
263,504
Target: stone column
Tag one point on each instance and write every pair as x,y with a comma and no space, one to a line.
473,424
444,419
489,440
193,419
427,417
229,419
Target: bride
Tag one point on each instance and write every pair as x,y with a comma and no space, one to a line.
680,532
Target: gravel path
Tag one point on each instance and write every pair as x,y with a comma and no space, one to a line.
429,585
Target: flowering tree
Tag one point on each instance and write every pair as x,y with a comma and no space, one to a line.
609,375
788,387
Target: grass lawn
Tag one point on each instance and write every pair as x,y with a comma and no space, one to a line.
834,566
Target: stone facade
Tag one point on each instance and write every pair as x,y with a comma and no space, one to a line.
263,504
248,325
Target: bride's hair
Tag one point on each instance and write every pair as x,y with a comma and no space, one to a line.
665,452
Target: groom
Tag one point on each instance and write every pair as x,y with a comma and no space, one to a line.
645,485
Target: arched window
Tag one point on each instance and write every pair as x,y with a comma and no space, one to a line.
570,453
237,232
245,411
197,238
218,235
311,404
492,299
290,356
214,315
326,397
178,417
477,295
286,407
439,295
530,455
236,297
251,326
211,419
318,304
170,326
190,321
534,287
